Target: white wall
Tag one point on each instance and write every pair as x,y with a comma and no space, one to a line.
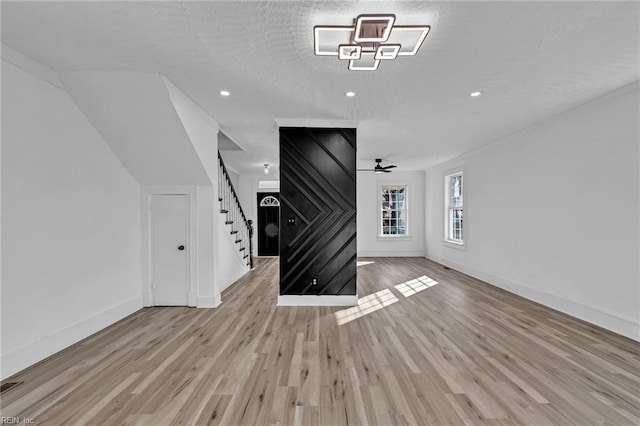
208,285
219,261
235,179
71,179
232,265
552,213
70,221
369,243
137,117
367,198
203,134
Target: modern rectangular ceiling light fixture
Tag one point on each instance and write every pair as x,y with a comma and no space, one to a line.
349,51
410,38
327,39
372,38
387,51
367,62
373,28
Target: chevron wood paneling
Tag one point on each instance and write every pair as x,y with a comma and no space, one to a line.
317,211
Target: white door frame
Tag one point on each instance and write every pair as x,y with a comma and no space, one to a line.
147,192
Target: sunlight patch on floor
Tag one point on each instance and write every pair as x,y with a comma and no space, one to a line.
412,287
363,263
366,305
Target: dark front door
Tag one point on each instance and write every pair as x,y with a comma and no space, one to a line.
268,223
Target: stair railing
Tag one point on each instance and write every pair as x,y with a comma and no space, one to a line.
241,228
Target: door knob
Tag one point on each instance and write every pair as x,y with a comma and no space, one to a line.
180,248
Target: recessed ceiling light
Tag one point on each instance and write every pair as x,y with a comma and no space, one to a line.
475,94
349,94
224,93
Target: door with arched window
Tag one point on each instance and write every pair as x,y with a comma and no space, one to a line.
268,223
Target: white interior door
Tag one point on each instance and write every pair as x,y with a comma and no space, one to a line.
169,260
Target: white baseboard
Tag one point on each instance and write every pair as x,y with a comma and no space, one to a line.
21,358
390,253
230,281
193,299
290,300
209,301
610,321
146,299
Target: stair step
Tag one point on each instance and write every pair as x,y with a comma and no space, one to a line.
245,256
234,232
228,222
238,241
219,199
242,248
224,211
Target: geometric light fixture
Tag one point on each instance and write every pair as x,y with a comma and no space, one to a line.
371,39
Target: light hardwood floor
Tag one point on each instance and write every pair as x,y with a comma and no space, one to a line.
445,349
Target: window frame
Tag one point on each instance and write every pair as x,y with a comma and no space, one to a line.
379,226
461,243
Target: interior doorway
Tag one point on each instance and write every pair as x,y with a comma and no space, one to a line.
268,223
169,250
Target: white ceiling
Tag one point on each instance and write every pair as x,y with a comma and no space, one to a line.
532,60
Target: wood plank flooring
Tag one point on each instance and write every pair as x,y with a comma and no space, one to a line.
425,346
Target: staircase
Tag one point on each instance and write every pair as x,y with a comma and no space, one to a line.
237,222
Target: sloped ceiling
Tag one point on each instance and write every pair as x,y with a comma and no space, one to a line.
135,115
532,60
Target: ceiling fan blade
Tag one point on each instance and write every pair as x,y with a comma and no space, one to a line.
378,168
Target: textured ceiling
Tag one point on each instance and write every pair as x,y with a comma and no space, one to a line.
532,60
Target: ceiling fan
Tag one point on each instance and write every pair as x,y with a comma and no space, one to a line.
378,168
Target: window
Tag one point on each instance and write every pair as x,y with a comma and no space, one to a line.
269,201
393,210
454,208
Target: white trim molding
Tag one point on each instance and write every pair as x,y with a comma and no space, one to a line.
390,253
611,321
146,194
317,122
447,175
209,301
31,353
407,201
292,300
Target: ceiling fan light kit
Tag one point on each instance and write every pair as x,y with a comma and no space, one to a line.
371,39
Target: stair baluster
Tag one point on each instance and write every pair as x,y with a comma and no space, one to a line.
241,228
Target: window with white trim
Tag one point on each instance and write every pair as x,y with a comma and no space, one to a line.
394,220
269,201
454,208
